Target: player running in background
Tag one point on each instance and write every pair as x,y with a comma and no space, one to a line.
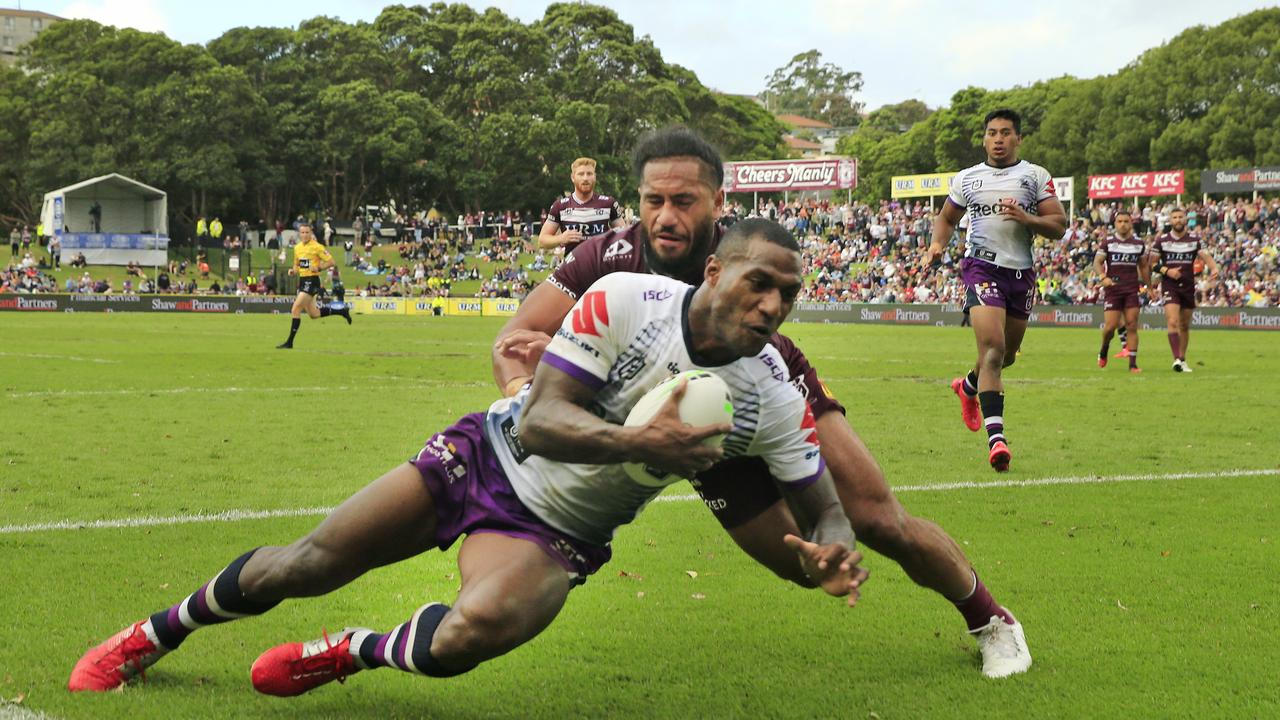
310,258
1174,255
1124,267
679,175
536,484
581,214
1009,201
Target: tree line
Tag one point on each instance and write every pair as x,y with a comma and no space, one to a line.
439,106
1209,98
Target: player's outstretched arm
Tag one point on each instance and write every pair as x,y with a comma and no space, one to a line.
520,342
557,425
829,556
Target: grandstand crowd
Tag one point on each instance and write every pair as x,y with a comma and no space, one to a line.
853,252
871,254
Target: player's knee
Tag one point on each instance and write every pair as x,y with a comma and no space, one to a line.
479,629
993,357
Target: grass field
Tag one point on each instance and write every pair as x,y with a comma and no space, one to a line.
1144,593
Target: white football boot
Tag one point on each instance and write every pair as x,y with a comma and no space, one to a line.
1003,646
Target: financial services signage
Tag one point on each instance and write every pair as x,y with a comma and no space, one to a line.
927,185
1139,184
1240,180
788,175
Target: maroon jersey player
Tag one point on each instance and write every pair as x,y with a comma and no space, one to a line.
1174,255
679,176
1124,267
580,214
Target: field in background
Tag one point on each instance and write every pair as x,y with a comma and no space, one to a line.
1152,596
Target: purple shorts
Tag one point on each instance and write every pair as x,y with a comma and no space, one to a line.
993,286
472,495
1182,295
1114,298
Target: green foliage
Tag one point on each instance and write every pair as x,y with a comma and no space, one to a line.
438,106
808,87
1208,98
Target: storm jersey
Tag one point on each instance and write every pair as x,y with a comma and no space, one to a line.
307,258
1178,252
593,217
991,237
1122,258
625,335
623,251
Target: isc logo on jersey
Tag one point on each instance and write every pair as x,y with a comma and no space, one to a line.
706,401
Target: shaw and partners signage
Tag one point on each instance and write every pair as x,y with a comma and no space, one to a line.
1252,179
1142,184
787,175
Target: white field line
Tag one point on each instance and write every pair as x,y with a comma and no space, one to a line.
235,515
13,711
41,356
126,392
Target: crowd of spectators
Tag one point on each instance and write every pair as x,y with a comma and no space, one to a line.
853,252
871,253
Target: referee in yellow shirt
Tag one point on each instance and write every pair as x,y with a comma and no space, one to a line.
310,258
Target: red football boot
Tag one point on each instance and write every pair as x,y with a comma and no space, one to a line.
123,656
1102,361
1000,456
969,410
294,668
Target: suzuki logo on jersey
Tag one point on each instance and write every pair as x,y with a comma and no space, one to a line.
592,308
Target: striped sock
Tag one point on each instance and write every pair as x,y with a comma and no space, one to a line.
970,386
406,647
217,601
992,404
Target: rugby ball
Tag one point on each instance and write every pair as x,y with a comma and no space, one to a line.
707,401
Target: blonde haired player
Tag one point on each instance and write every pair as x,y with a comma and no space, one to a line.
580,214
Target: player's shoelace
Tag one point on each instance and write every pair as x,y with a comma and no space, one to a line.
324,661
1000,638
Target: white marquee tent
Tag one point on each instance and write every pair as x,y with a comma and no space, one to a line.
134,220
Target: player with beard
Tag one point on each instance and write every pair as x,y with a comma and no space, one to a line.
679,176
1009,201
1123,265
1174,255
581,214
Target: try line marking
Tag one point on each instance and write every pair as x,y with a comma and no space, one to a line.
236,515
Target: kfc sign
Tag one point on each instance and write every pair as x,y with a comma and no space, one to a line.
1126,185
786,175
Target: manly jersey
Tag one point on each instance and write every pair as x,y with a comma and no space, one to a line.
1178,252
1122,257
592,217
978,190
625,335
307,258
623,251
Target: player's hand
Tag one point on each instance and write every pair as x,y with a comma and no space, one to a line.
526,346
668,443
1175,273
932,257
571,236
1108,282
833,567
1010,210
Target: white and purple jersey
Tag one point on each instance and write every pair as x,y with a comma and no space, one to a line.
979,189
625,335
